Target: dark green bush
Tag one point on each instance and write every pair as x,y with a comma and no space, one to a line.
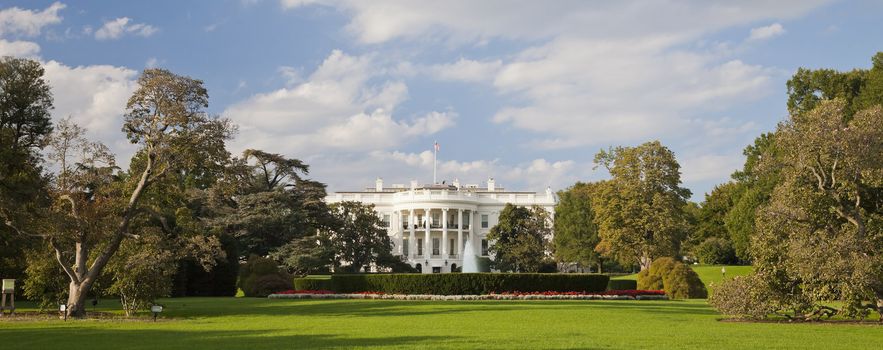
683,283
714,251
469,283
622,285
260,277
313,284
265,285
678,280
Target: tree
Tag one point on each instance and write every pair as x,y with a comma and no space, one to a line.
576,234
264,202
520,239
91,213
818,238
357,238
25,123
753,189
640,210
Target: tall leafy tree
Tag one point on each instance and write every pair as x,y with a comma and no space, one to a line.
820,237
640,210
576,234
520,239
264,202
25,124
357,238
91,213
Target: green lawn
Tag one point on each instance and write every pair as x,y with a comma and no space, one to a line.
709,274
248,323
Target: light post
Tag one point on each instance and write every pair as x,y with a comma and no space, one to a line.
63,309
724,272
155,309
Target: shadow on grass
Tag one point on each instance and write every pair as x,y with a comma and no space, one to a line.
70,338
401,308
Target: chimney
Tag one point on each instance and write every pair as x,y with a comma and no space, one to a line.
413,184
378,185
490,184
456,183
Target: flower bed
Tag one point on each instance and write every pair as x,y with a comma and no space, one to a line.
305,292
549,295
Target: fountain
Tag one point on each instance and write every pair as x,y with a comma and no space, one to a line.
470,261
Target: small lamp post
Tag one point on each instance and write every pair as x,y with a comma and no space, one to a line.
155,309
8,289
63,309
724,272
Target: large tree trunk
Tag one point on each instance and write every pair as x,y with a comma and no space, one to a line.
76,301
645,262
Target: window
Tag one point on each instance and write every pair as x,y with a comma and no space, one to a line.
435,246
419,246
484,247
465,220
451,247
484,221
386,219
405,247
404,222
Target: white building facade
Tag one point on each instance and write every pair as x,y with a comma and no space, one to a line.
430,225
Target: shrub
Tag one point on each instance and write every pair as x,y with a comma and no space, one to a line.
260,277
679,281
622,285
469,283
744,297
265,285
715,251
313,284
683,283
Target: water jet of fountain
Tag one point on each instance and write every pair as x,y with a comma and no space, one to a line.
470,261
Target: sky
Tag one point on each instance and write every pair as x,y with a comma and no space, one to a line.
526,92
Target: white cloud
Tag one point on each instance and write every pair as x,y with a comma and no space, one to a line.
347,104
95,98
467,70
467,21
587,75
17,21
116,28
767,32
18,48
153,62
535,174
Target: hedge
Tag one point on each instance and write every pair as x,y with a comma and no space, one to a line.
622,285
313,284
469,283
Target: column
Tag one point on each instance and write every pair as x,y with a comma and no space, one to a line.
427,244
412,237
400,228
459,250
472,237
444,242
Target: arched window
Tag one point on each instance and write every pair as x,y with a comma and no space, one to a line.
419,268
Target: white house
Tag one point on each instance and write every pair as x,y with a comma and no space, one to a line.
430,225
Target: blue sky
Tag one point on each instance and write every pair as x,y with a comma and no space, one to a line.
523,91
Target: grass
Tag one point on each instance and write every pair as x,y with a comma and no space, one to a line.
251,323
709,274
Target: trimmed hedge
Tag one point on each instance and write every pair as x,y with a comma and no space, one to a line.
469,283
313,284
622,285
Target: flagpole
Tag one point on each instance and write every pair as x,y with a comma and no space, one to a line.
434,161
